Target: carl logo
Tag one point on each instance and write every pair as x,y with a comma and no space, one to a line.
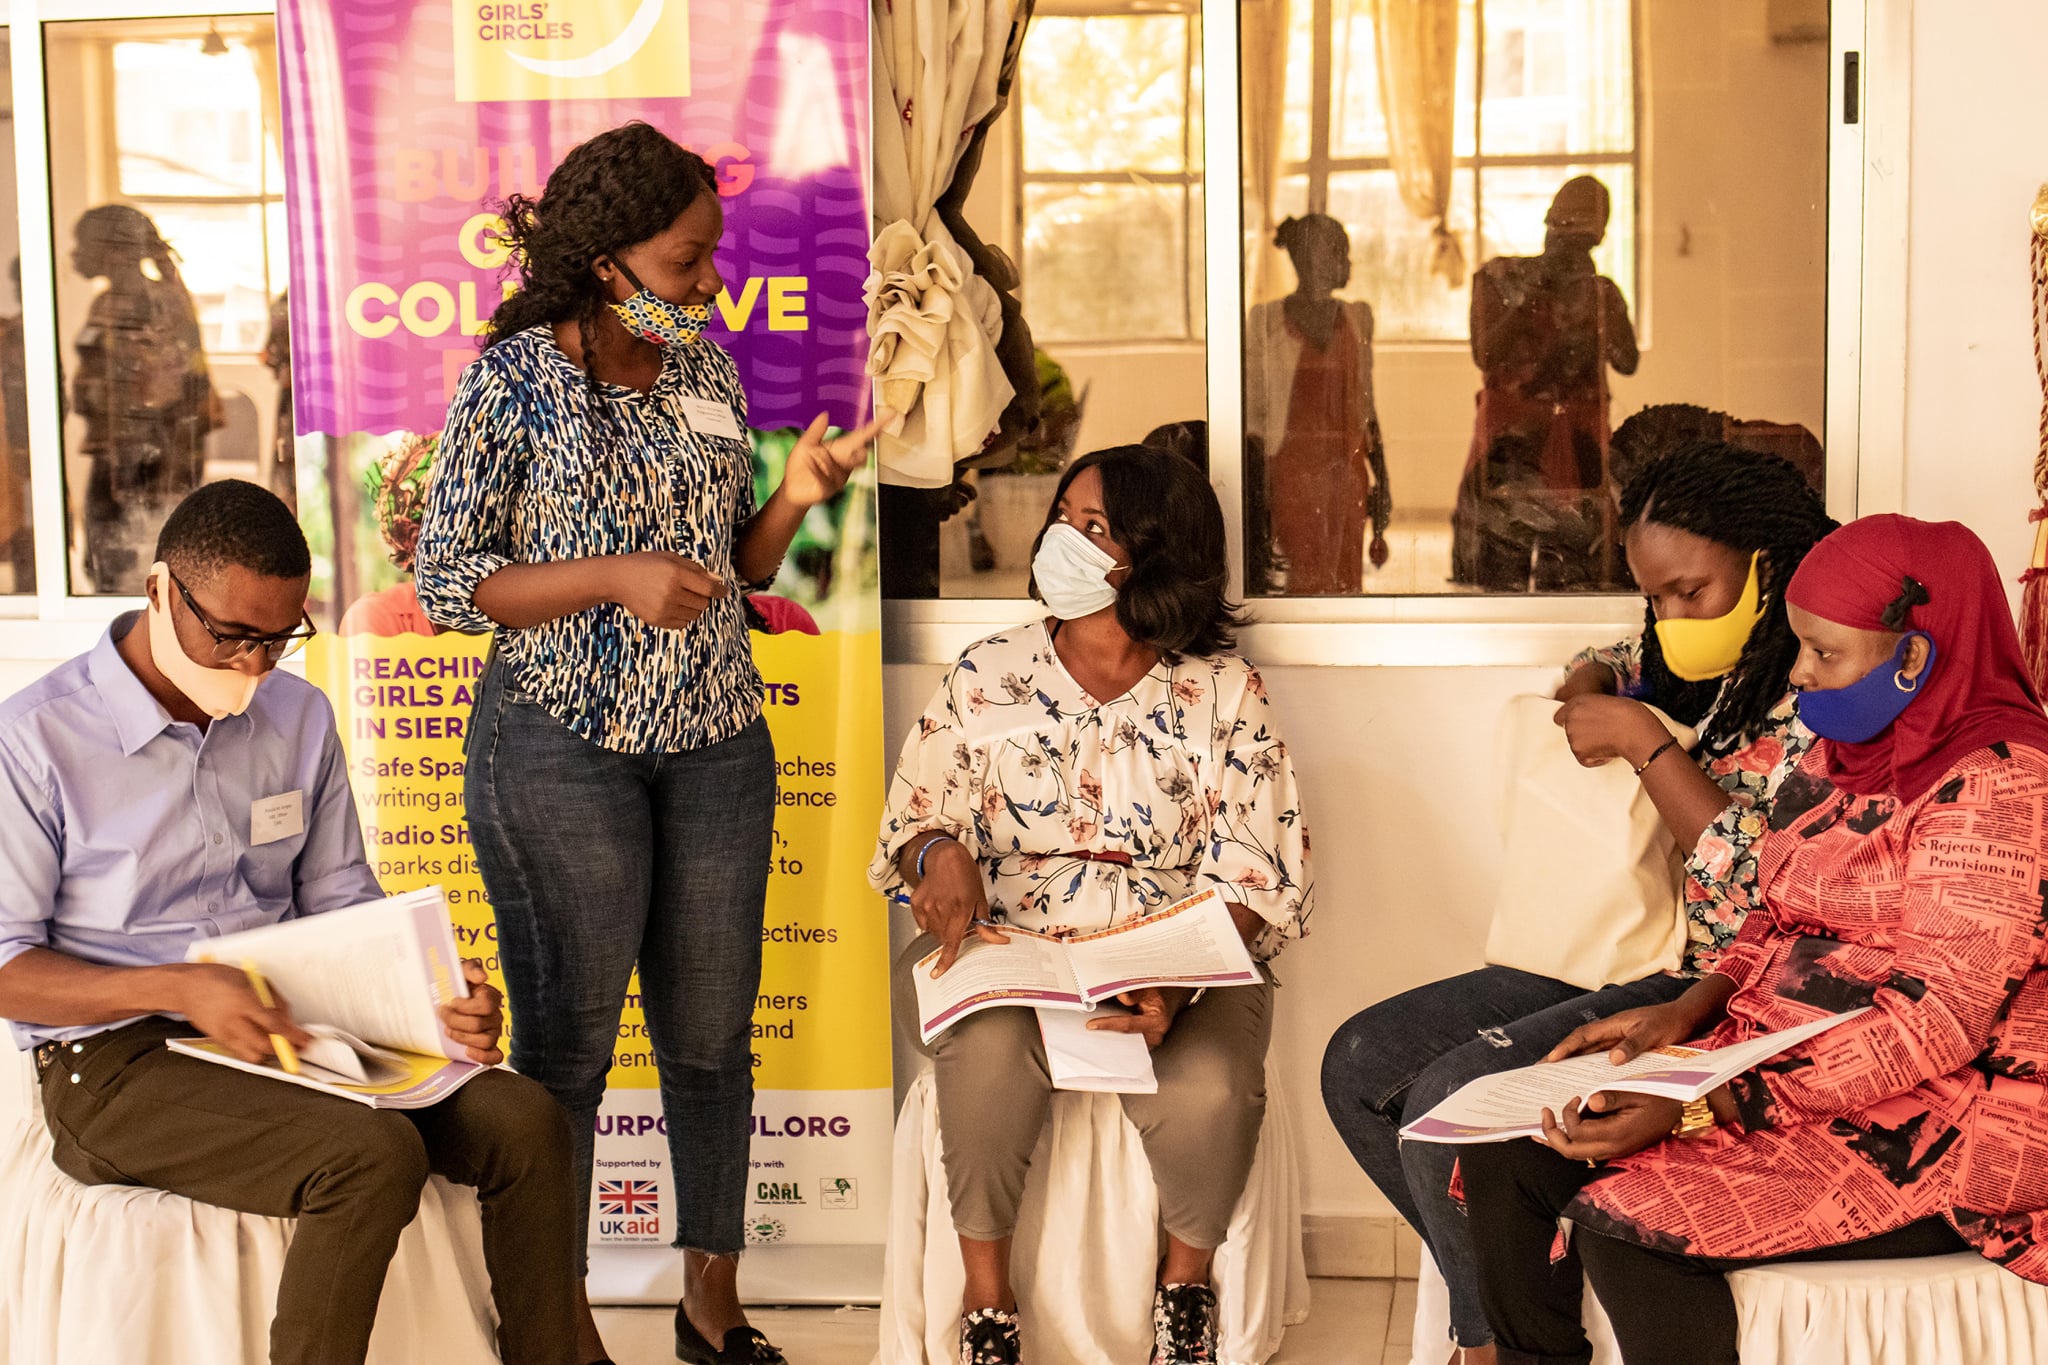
571,49
777,1192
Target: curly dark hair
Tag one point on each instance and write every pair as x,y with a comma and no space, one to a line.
233,522
614,191
1748,502
1165,515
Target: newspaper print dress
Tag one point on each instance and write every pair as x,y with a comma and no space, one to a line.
1931,912
1085,814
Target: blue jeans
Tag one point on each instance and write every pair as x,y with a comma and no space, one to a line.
595,860
1393,1063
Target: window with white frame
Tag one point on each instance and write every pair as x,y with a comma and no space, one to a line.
1545,90
1109,157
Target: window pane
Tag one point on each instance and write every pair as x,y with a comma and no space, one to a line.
166,200
17,519
1105,262
1560,77
1391,251
1358,125
1142,59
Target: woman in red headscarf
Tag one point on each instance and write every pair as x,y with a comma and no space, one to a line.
1904,872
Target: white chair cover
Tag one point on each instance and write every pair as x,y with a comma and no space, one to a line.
116,1273
1935,1310
1087,1241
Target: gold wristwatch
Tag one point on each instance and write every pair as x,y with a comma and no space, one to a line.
1695,1119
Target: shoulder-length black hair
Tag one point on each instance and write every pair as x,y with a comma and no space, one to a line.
616,190
1747,501
1165,515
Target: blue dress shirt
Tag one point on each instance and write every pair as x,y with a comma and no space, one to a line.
125,835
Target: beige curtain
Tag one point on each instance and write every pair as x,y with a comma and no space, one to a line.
933,323
1418,57
1262,38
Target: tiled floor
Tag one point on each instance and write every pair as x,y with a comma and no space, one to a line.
1351,1322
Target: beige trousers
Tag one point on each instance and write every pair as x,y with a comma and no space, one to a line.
1200,1131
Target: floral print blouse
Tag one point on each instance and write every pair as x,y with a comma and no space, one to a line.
1720,886
1182,783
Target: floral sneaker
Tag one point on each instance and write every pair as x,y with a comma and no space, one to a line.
1183,1325
988,1336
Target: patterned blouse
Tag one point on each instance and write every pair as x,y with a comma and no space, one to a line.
533,470
1720,886
1933,1103
1184,778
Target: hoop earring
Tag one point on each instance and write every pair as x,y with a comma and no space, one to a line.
1900,681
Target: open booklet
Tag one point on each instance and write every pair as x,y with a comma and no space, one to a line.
1193,942
1510,1104
367,982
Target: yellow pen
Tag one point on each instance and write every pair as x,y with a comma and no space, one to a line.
287,1055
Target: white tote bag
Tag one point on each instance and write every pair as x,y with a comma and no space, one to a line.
1591,888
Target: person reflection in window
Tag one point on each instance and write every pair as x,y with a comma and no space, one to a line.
17,517
283,476
1308,385
1545,329
142,388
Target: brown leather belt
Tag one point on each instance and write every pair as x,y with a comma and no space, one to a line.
1099,856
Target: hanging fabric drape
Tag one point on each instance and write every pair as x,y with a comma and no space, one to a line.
2034,599
934,323
1262,38
1417,43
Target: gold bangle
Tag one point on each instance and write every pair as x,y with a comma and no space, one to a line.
1695,1119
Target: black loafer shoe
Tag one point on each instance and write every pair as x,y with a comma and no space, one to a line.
742,1346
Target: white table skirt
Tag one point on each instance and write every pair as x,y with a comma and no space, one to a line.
108,1273
1087,1242
1934,1310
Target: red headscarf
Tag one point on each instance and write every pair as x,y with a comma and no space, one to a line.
1978,692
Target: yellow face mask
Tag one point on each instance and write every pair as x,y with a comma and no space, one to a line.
1697,650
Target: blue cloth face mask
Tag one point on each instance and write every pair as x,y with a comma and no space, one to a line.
653,318
1861,711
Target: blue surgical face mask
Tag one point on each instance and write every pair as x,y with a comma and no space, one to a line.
653,318
1862,710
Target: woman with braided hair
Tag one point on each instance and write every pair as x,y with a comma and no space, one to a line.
1713,533
593,504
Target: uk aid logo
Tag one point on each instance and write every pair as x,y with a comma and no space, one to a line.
571,49
628,1208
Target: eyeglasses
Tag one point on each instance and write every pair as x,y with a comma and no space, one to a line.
231,646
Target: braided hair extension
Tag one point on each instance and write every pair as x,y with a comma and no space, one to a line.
1747,501
616,190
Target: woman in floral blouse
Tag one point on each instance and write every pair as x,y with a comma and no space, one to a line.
1901,877
1713,533
1085,770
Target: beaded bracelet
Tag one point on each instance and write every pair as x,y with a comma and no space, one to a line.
929,844
1671,743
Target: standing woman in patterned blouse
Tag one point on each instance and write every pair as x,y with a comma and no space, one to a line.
1713,533
1079,772
594,505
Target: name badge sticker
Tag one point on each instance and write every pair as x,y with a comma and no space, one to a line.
272,818
709,417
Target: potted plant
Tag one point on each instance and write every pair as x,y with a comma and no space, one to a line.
1010,505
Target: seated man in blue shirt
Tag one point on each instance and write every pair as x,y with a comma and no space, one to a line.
134,782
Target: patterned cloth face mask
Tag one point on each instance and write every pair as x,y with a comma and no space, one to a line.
652,318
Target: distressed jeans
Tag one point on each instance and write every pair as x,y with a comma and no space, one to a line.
1393,1063
595,860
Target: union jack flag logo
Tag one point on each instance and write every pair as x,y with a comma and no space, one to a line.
629,1198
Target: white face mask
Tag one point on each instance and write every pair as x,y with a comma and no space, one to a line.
218,692
1072,573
